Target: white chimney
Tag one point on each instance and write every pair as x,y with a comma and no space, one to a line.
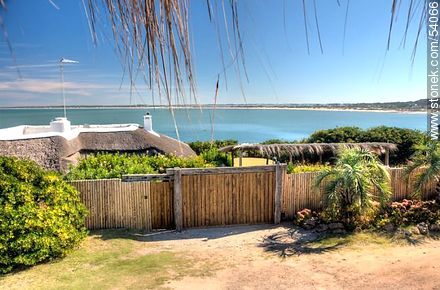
60,125
148,122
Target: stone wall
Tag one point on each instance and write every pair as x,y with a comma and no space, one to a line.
44,151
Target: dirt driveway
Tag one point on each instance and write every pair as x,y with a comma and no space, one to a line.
269,257
239,257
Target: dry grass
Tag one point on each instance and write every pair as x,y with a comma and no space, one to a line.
357,240
115,261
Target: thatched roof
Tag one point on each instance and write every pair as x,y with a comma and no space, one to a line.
51,151
137,140
318,149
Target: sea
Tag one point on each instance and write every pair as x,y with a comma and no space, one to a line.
244,125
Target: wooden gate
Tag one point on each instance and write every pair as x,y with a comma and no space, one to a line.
225,199
214,196
184,198
224,196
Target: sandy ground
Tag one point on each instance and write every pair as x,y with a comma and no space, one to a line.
268,257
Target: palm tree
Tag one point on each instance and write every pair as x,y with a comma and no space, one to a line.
351,186
425,164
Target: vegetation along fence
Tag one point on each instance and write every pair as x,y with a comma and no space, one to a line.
299,191
185,198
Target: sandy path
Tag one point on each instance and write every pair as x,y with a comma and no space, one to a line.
242,263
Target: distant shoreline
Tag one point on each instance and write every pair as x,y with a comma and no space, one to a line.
225,107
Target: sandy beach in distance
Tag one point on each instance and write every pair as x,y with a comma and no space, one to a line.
227,107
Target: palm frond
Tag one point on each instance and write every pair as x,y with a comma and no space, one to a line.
323,175
424,166
356,180
154,36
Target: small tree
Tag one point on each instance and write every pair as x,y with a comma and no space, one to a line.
41,215
351,186
426,160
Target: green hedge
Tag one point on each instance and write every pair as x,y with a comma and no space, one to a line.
41,215
291,168
276,141
106,165
405,139
203,146
209,151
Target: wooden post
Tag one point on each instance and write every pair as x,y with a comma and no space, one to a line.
240,160
232,156
387,157
278,192
177,199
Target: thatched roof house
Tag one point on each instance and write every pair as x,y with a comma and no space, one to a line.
137,141
300,150
57,149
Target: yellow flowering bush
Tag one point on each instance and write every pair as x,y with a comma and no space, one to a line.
41,215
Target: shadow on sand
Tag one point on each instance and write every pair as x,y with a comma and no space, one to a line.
283,240
193,233
296,241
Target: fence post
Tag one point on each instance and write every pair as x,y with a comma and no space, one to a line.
278,192
177,199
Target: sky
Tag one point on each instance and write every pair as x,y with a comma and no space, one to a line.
357,68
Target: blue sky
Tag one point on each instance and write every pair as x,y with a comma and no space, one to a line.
279,67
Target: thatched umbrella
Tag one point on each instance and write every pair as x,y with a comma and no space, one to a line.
318,149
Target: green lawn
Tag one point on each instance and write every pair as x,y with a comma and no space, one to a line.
118,262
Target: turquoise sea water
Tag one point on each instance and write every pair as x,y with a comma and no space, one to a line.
243,125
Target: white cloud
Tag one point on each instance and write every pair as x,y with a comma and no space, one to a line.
27,66
51,86
35,91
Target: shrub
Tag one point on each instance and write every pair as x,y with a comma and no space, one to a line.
405,139
209,151
216,158
106,165
337,135
353,185
409,212
160,163
202,146
291,168
276,141
41,216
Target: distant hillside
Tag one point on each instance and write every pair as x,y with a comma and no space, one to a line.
419,105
